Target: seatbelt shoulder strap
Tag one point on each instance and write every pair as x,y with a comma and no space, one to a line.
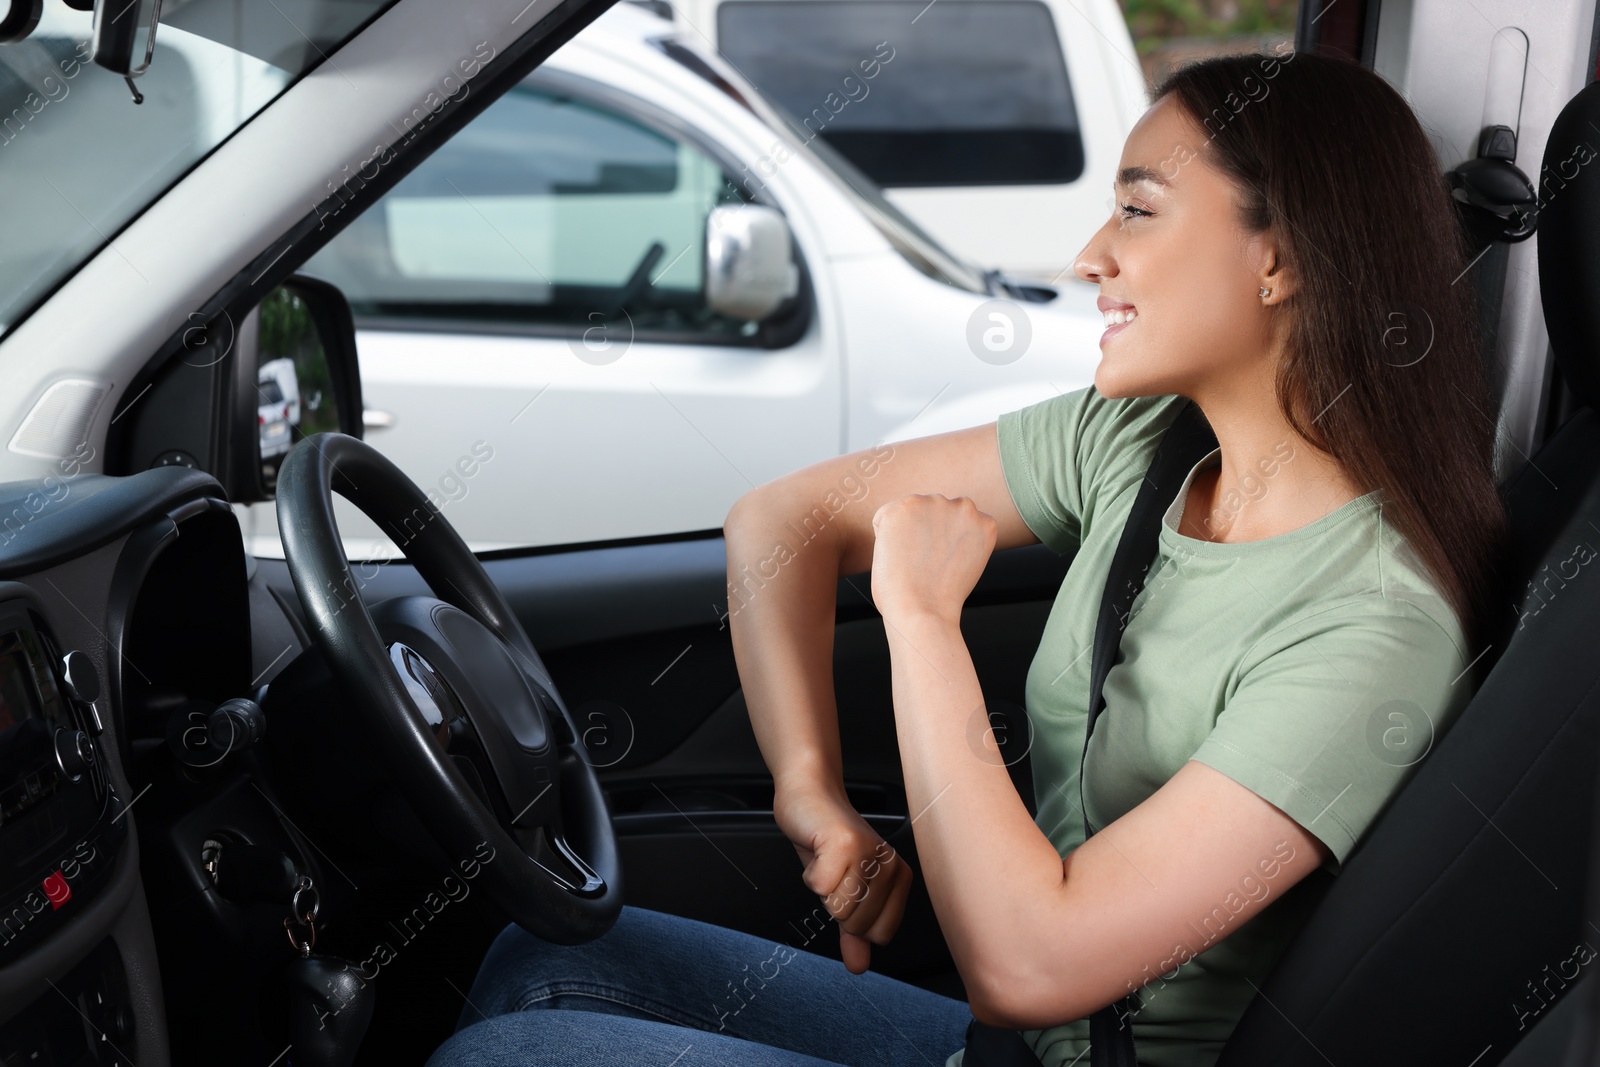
1187,440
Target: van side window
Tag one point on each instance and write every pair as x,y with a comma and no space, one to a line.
960,92
545,213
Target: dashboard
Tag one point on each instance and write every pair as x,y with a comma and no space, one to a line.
124,608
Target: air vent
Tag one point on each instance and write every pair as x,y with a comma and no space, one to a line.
61,419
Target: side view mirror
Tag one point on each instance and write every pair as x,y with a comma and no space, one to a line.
267,377
300,374
749,268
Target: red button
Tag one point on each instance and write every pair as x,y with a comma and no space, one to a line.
57,890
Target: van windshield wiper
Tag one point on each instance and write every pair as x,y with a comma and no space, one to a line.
996,282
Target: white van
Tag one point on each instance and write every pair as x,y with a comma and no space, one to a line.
281,372
994,123
626,293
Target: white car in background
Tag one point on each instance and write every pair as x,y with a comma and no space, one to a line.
629,291
281,373
272,415
990,122
278,406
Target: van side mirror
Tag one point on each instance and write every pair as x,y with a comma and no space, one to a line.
299,373
749,268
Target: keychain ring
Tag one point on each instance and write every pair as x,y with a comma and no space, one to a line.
311,937
304,889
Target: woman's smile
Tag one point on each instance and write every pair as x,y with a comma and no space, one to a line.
1112,331
1118,316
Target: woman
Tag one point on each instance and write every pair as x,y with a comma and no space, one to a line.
1284,253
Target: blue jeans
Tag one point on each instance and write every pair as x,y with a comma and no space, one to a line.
667,991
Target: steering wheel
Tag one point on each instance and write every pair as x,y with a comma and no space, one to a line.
454,696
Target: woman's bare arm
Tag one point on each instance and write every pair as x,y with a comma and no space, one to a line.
788,543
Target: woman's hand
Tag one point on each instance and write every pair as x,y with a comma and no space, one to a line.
862,881
929,553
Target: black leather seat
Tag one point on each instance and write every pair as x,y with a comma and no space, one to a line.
1457,925
1563,1035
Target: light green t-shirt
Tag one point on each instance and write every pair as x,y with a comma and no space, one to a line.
1316,668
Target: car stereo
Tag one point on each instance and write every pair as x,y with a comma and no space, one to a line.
60,824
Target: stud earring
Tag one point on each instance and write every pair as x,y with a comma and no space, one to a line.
1265,292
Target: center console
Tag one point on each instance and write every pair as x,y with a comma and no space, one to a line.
61,828
61,821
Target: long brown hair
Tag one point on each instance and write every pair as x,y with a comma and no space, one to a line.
1383,368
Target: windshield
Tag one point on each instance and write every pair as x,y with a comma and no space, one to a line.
79,159
910,240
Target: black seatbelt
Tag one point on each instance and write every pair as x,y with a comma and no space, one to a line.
1186,441
1184,444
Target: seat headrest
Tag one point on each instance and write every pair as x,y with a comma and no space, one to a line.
1569,243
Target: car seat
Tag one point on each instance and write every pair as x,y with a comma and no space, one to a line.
1458,923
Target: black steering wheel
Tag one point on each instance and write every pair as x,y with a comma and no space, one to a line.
453,695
